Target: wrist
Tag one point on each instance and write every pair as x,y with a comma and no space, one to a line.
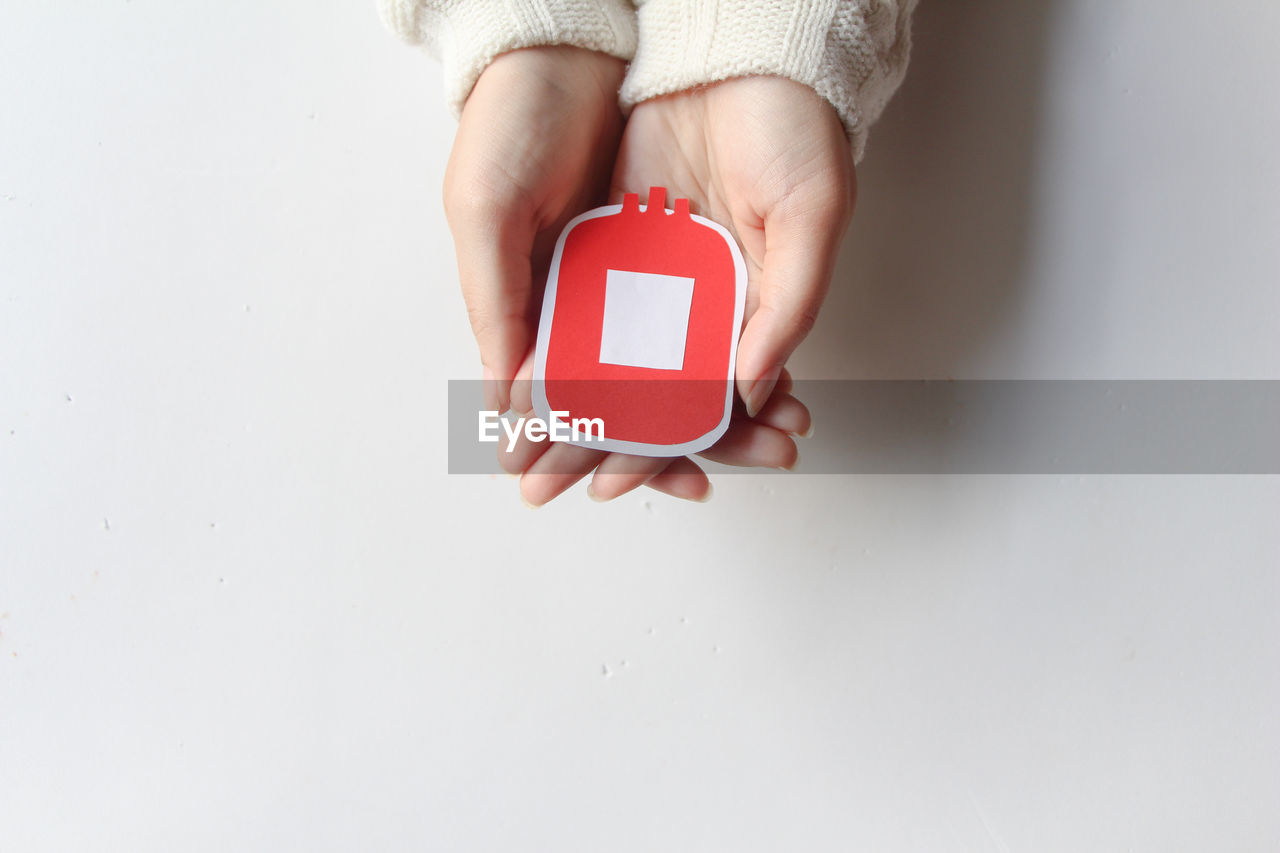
473,35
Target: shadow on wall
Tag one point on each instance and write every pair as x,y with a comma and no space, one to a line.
933,266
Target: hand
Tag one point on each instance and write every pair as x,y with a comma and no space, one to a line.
534,148
767,158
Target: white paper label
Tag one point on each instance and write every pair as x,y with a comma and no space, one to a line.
646,319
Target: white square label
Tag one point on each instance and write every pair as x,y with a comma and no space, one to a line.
646,319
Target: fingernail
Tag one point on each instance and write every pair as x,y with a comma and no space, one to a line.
794,463
526,502
809,432
591,493
711,490
761,390
490,390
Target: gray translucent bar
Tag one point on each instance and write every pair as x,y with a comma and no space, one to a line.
999,427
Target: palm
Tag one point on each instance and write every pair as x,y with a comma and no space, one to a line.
670,143
750,154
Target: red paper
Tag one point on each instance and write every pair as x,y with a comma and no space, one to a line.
639,328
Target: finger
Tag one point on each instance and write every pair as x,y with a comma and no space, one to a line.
683,479
802,239
496,287
749,444
493,233
785,383
786,413
522,387
518,456
619,473
556,470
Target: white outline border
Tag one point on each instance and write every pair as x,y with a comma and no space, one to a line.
639,448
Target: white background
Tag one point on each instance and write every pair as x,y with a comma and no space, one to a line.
242,606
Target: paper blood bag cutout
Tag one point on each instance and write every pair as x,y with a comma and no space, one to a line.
639,329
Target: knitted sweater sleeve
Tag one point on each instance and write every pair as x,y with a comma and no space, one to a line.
466,35
851,52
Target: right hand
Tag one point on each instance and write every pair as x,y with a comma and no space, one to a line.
535,147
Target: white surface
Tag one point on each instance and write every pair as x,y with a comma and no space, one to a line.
646,319
243,608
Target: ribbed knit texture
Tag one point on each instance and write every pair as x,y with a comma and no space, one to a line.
852,52
466,35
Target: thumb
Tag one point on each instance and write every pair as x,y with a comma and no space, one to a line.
494,244
800,254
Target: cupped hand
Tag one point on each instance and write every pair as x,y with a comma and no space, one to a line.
767,158
535,146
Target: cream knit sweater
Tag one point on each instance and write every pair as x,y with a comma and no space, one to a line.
852,52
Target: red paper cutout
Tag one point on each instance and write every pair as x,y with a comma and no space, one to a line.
648,411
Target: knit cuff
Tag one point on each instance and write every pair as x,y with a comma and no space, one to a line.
851,52
466,35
